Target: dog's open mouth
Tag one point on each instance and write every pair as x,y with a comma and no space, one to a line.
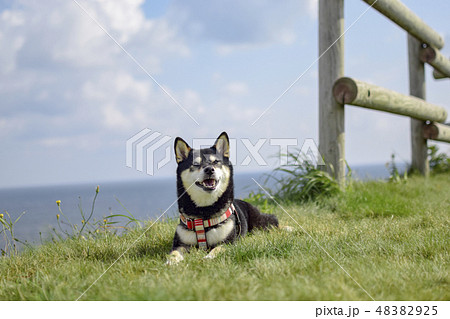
208,184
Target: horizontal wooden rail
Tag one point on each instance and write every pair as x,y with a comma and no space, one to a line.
350,91
436,59
438,75
437,132
408,20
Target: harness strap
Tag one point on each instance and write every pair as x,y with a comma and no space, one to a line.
200,232
199,225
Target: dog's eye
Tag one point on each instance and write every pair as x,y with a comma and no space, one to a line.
216,162
196,164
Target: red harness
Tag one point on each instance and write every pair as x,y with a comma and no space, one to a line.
199,225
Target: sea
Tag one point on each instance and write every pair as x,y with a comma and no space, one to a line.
144,200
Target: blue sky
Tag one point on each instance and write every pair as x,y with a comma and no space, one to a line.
70,97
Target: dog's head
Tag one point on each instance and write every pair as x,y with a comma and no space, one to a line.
205,174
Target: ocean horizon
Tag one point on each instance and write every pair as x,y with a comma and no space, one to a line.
144,199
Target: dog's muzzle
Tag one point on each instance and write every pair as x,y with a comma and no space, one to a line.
209,183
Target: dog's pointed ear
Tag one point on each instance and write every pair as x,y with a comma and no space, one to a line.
182,149
222,145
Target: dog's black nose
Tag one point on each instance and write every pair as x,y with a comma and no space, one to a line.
209,170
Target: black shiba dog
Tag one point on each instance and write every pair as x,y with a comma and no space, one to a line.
209,214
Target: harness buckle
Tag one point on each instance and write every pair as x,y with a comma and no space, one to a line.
190,223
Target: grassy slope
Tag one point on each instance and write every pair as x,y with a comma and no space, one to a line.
392,239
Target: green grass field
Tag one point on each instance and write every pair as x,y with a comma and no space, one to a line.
391,238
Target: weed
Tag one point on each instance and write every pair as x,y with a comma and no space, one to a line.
439,162
298,182
7,231
394,174
90,227
261,201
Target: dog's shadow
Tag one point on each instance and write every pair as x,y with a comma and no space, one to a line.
158,249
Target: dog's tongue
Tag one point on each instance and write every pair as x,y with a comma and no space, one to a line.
209,182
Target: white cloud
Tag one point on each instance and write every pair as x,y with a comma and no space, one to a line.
124,17
236,89
10,20
67,89
55,141
241,24
56,61
313,9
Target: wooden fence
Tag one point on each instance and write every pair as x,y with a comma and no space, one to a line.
335,90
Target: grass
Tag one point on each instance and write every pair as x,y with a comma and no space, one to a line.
392,238
303,182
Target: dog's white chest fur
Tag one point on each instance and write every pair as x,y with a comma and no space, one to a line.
213,235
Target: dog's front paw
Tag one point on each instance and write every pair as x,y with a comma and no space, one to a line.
174,258
216,251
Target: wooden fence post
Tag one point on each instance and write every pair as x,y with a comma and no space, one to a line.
437,132
331,67
419,147
436,59
401,15
351,91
